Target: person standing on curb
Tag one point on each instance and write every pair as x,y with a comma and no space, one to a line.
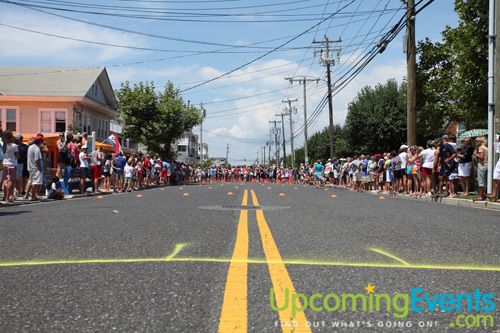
495,195
318,174
446,160
35,180
465,165
427,158
84,168
22,164
481,153
10,157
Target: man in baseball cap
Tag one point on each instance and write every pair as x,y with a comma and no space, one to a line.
34,160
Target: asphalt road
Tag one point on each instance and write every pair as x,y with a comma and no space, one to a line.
166,262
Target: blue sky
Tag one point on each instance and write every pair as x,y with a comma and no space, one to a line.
240,105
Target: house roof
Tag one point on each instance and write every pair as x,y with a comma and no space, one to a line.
54,81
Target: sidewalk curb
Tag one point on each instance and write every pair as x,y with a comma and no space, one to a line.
74,196
451,201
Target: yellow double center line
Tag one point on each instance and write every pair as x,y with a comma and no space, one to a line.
234,309
234,315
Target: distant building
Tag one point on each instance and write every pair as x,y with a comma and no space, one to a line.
218,161
186,148
51,100
203,151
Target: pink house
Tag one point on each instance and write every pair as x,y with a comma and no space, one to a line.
54,99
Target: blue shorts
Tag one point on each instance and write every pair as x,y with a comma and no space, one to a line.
20,169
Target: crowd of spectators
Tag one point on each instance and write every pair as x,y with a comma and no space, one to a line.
441,168
26,173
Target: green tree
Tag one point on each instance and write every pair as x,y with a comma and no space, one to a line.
434,95
319,145
206,163
452,75
376,119
155,119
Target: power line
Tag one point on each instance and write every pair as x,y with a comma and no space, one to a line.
156,36
188,9
369,57
235,138
262,56
180,1
184,40
178,18
178,11
135,47
226,112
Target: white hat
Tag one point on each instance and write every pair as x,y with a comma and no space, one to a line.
403,147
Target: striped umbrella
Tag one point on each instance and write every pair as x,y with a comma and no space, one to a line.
473,133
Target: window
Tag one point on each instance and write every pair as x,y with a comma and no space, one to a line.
52,120
46,121
60,121
181,148
10,123
94,89
106,128
8,118
86,123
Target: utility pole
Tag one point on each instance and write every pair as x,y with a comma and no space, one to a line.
276,141
491,94
411,67
203,115
290,113
277,134
326,59
284,141
497,61
303,80
497,58
227,154
270,144
264,154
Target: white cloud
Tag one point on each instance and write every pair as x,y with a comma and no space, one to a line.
248,118
371,76
209,72
159,75
255,123
18,43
